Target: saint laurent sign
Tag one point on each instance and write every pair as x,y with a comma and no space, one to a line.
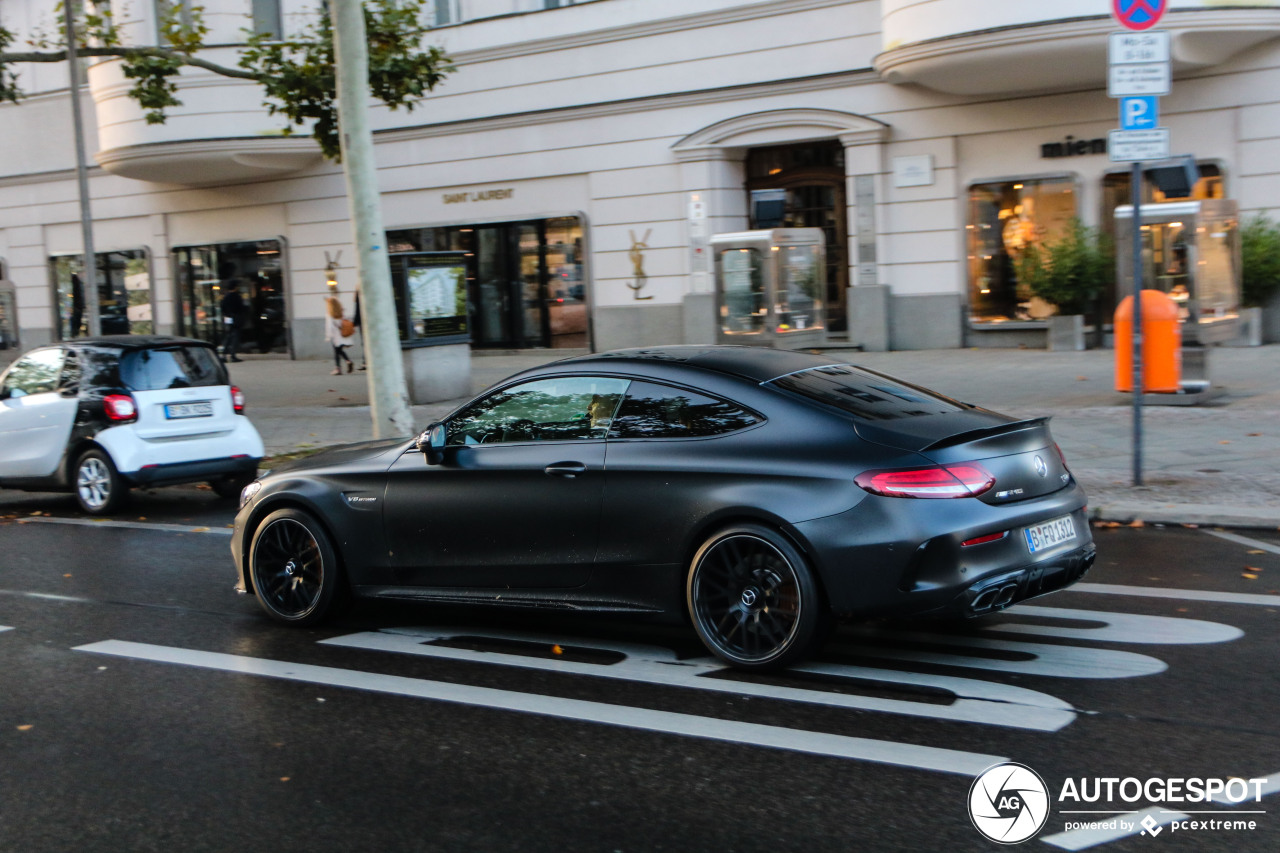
479,195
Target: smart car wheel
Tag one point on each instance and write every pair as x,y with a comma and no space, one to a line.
293,567
231,485
753,600
99,488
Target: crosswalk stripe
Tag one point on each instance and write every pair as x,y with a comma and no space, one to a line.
731,731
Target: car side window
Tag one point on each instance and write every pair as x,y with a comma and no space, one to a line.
35,373
661,411
563,408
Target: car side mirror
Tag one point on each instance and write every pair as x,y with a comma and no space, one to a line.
431,443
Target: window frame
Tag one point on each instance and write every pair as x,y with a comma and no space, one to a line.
452,420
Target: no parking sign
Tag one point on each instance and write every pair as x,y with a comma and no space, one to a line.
1139,14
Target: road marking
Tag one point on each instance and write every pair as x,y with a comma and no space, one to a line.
48,596
1044,659
973,701
1082,839
1185,594
666,722
135,525
5,628
1119,627
1245,541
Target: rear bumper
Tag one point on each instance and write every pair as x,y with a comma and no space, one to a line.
191,472
895,556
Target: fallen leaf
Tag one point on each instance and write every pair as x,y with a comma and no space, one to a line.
1182,610
1253,434
1249,577
1106,524
342,398
1192,526
284,778
1256,551
1251,569
1137,522
142,518
1224,442
67,575
25,727
556,650
1082,378
199,530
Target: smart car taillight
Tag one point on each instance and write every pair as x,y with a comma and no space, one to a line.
120,407
944,481
237,400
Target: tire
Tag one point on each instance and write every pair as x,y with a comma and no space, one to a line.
99,488
232,485
294,568
753,599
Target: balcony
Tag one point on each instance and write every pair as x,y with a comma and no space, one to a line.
993,47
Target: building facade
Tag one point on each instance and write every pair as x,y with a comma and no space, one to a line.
572,170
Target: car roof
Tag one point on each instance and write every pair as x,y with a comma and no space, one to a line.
132,342
758,364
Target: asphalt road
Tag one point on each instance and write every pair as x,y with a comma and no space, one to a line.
145,706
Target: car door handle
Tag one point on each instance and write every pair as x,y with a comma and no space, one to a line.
566,469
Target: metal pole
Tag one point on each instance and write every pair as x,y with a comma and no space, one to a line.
1138,386
89,275
388,393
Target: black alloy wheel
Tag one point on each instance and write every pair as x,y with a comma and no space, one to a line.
99,488
753,599
293,567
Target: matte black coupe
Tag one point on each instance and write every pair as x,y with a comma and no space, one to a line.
761,492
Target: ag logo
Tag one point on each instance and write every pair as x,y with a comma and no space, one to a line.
1009,803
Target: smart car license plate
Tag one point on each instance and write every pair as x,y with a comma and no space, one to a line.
198,409
1051,534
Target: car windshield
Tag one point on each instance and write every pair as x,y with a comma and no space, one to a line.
866,394
170,367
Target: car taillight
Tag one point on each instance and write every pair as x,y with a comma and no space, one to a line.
944,481
120,407
237,400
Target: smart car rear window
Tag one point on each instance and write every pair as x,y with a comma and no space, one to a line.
170,367
865,393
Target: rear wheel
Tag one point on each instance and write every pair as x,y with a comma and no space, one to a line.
753,599
100,490
293,567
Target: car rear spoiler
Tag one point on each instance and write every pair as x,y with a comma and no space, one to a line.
986,432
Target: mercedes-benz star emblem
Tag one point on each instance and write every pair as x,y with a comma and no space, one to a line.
1041,468
748,597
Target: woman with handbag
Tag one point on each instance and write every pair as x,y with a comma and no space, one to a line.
338,331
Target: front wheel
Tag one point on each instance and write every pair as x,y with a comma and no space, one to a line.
293,567
100,490
753,599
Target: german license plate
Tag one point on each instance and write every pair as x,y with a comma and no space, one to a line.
199,409
1051,534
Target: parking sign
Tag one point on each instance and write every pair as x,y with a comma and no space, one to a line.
1139,113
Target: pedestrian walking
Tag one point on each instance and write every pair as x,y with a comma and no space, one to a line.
233,314
338,331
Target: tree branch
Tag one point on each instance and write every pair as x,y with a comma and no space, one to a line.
129,53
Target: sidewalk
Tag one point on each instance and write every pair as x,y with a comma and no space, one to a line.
1207,465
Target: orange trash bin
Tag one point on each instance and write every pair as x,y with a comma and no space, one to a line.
1161,344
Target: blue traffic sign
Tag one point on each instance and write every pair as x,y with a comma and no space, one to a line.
1139,14
1139,113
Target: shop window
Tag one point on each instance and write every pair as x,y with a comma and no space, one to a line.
257,267
525,281
8,313
124,294
1005,218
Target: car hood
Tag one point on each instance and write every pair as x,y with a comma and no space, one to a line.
347,454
